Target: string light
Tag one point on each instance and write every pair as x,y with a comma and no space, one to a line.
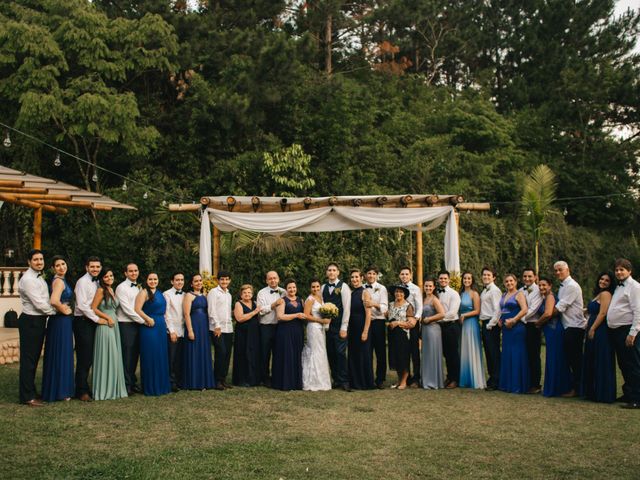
607,205
528,213
57,162
565,212
145,196
7,144
497,211
164,203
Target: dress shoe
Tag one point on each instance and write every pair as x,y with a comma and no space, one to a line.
380,386
534,390
451,386
219,386
226,385
631,406
175,389
622,399
85,397
130,393
35,403
570,394
136,389
491,388
346,388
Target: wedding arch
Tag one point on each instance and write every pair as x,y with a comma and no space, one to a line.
278,215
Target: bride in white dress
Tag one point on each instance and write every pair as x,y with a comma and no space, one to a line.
315,364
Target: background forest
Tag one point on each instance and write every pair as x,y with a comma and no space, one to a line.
262,97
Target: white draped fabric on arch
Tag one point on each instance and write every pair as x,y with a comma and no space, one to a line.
331,219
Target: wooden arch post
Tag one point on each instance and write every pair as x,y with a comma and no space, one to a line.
37,228
419,269
216,251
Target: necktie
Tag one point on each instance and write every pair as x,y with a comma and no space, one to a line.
368,286
133,284
274,291
178,292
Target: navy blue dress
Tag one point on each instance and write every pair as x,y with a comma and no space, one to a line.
557,376
154,359
598,367
514,363
246,350
197,367
360,362
287,351
57,374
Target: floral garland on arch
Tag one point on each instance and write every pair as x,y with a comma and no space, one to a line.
209,282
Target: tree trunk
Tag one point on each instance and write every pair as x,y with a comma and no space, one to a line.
328,45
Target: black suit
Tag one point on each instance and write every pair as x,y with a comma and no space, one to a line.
31,329
336,346
84,332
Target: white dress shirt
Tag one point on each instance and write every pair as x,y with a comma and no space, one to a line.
415,299
126,294
490,305
570,304
345,295
220,301
174,316
264,300
34,294
624,308
86,288
380,296
450,300
534,300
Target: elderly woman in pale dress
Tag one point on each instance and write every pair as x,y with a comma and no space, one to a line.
315,364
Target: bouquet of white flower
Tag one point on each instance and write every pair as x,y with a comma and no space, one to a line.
330,311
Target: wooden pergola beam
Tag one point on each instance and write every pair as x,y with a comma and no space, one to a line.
11,183
16,190
38,197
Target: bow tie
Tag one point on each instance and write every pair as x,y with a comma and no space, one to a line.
440,290
621,283
485,289
94,279
331,284
134,284
274,291
179,292
368,286
40,275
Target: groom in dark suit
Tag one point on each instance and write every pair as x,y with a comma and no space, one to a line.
338,293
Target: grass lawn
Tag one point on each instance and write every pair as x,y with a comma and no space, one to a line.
259,433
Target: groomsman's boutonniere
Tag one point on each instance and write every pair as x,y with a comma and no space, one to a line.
337,290
44,275
376,290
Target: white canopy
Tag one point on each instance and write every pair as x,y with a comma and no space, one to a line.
332,219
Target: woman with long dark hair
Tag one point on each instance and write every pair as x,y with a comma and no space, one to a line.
108,371
57,373
287,352
432,312
598,364
154,360
471,367
197,367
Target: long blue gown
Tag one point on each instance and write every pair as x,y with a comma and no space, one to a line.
154,359
197,367
246,350
287,352
57,375
471,368
598,367
557,376
360,360
514,364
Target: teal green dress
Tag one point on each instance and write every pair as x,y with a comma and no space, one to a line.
108,372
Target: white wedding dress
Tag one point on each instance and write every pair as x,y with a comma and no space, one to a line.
315,364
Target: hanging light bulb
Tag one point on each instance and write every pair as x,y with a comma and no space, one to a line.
468,212
164,203
528,213
145,196
7,140
95,177
608,204
57,162
497,211
124,186
565,212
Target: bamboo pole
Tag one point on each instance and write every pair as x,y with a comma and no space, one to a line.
39,197
14,190
37,228
419,266
216,251
11,183
184,207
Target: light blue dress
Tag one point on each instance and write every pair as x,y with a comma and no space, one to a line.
471,367
431,366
